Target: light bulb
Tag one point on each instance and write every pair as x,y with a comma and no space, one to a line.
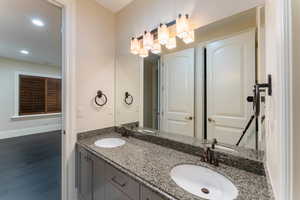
182,26
134,46
147,40
25,52
156,48
171,43
190,37
143,52
38,22
163,34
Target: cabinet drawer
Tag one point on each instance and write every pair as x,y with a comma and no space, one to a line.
122,182
147,194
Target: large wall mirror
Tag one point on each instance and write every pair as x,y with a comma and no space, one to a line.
202,90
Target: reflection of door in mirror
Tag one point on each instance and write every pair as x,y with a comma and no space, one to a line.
169,92
178,93
230,77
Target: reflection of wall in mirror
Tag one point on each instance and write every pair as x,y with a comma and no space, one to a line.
127,79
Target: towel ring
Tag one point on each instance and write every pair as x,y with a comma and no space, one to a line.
100,95
128,96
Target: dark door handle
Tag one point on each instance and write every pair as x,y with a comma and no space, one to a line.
211,120
189,118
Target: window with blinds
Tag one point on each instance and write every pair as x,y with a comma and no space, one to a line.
39,95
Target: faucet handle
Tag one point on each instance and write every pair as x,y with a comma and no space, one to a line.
214,142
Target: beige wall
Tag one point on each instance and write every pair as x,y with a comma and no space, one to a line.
296,98
273,129
95,64
12,127
143,15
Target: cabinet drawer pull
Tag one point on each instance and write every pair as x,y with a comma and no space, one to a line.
118,183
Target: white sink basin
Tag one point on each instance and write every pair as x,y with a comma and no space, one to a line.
109,143
203,182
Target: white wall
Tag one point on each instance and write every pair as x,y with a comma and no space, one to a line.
277,106
143,15
296,97
16,127
95,64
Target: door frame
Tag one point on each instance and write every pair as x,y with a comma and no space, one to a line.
141,90
286,97
284,91
69,137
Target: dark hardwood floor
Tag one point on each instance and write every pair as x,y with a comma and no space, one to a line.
30,167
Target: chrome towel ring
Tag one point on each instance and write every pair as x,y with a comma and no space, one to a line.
128,98
100,95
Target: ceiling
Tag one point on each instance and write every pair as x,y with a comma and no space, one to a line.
17,31
114,5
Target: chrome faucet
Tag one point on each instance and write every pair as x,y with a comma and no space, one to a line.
209,155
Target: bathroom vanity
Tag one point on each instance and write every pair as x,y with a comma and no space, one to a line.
141,170
97,179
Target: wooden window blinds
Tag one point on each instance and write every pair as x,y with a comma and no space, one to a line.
39,95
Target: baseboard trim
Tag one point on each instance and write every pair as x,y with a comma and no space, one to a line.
29,131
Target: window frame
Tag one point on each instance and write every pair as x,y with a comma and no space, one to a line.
17,96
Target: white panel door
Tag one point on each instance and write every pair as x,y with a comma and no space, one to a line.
230,79
178,93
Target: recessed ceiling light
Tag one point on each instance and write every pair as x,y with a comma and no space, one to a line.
38,22
25,52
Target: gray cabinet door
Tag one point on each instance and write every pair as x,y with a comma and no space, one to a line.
113,193
99,179
85,176
122,182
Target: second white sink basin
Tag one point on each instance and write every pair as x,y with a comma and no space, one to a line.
110,142
203,182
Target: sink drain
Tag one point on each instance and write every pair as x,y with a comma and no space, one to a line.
205,190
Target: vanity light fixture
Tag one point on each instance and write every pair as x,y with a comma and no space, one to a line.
148,40
156,48
190,37
184,31
134,46
182,26
171,43
143,52
163,34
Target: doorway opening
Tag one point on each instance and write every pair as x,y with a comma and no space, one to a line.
31,119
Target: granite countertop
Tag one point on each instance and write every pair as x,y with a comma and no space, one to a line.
151,164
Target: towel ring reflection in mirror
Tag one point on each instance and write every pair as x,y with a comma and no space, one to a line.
128,98
100,96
